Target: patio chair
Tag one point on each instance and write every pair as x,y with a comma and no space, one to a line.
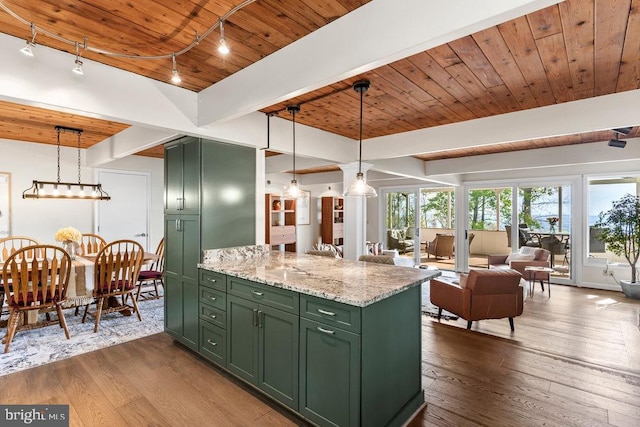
441,246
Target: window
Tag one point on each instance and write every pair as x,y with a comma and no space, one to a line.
437,208
602,193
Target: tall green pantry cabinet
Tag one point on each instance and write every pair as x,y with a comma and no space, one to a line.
209,203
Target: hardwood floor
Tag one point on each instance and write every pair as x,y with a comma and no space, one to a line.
573,360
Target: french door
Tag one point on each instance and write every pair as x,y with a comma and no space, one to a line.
503,218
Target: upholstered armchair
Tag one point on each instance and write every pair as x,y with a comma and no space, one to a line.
400,240
525,257
441,246
483,294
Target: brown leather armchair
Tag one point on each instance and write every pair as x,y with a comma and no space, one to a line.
485,294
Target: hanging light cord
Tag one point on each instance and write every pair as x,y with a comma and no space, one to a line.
293,112
360,143
79,180
85,45
58,130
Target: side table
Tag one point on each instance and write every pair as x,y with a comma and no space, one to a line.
532,278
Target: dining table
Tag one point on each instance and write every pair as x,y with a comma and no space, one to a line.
81,282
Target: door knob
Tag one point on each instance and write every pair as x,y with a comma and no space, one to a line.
141,235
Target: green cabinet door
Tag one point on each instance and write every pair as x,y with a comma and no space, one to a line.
242,338
329,374
278,354
182,254
182,176
191,176
173,161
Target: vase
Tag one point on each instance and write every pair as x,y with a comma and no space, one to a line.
70,247
552,228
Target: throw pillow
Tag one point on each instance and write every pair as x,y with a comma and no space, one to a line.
520,257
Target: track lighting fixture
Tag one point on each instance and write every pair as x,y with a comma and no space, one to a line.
222,47
78,64
175,77
28,48
293,191
359,187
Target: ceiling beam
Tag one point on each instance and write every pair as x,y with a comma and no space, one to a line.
373,35
592,114
125,143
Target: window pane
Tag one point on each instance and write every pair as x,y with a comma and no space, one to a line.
437,208
602,193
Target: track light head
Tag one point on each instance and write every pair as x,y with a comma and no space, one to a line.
222,47
78,67
175,76
618,143
27,50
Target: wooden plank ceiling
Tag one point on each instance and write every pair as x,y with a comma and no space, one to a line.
574,50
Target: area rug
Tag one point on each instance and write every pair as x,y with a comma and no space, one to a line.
45,345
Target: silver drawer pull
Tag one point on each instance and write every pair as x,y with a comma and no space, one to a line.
325,331
257,293
328,313
212,280
213,298
213,316
212,342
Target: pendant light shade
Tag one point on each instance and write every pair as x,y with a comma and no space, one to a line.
359,187
293,191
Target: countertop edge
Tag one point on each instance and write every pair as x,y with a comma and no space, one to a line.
324,295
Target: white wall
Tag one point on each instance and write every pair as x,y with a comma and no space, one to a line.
41,218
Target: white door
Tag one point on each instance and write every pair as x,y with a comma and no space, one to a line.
126,215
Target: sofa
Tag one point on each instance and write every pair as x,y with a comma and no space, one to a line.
482,294
400,239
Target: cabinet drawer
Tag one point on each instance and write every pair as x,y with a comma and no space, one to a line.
333,313
213,315
213,298
279,239
281,299
213,342
213,280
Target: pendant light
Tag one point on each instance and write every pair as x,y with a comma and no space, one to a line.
293,191
65,190
359,187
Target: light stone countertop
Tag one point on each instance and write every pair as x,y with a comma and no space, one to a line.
350,282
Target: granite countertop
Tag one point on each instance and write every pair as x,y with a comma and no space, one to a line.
350,282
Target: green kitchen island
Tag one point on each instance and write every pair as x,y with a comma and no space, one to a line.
336,341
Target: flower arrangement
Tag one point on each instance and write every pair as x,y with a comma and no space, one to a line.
553,220
68,234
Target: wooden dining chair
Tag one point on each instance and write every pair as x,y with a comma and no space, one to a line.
116,271
152,276
8,246
35,284
91,243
